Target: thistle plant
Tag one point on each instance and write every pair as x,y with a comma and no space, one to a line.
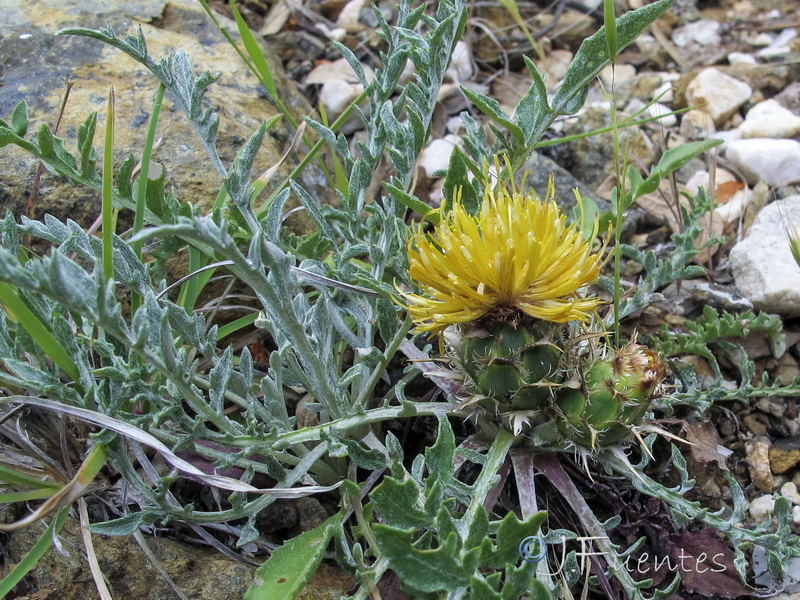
503,280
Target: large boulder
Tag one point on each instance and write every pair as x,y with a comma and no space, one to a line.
37,65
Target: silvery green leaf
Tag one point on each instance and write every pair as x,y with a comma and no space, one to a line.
457,181
418,468
370,460
387,318
237,180
246,370
593,56
68,282
491,108
432,570
400,503
64,333
439,457
123,526
313,208
218,380
9,235
394,449
274,219
11,271
85,140
354,63
19,119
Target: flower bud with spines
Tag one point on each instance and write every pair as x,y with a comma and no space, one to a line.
615,396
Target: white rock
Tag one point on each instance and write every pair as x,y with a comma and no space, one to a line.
454,125
590,4
718,94
436,156
789,491
703,179
775,162
762,263
760,507
796,515
619,74
555,64
762,39
741,58
697,124
769,119
780,45
665,92
337,70
337,34
348,18
654,110
726,137
460,68
703,32
337,95
733,210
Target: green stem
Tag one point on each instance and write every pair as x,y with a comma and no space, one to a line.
141,187
107,192
487,479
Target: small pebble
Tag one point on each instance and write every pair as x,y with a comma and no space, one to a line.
704,32
460,69
654,110
618,75
784,454
762,39
697,124
703,179
796,515
780,45
789,491
788,369
336,96
556,64
771,406
760,507
756,427
718,94
665,92
769,119
760,472
349,17
741,58
436,156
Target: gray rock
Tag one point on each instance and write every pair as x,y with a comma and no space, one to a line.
762,264
203,574
540,167
790,98
37,65
593,157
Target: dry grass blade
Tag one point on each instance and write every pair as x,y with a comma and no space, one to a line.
94,566
65,496
137,535
145,438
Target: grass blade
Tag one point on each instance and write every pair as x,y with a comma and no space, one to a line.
34,555
18,310
108,193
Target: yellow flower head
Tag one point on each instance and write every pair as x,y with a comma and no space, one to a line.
516,253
